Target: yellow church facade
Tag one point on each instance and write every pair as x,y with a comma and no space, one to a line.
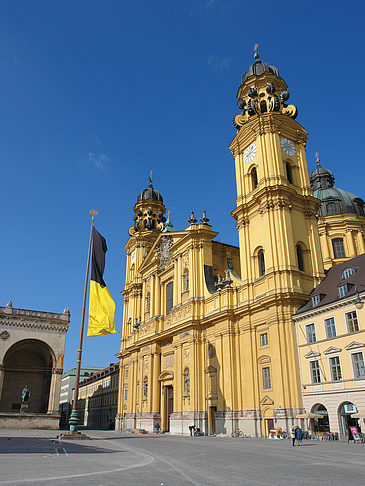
208,335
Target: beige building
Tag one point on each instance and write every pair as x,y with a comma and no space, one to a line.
32,346
331,340
98,398
208,336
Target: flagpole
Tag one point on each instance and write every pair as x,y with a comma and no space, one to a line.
74,419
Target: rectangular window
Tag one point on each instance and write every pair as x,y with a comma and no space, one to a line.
266,378
352,322
336,369
358,363
338,248
125,394
316,300
342,290
330,327
311,333
126,372
169,297
315,372
264,340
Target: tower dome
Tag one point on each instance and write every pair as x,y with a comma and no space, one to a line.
259,68
150,193
333,200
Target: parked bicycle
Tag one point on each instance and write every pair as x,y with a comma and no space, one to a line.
237,433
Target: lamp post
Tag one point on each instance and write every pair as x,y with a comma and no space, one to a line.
358,301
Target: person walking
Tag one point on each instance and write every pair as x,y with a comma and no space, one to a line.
299,436
292,434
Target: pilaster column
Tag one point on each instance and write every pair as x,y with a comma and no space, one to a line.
179,279
176,282
350,243
54,391
360,241
155,383
325,245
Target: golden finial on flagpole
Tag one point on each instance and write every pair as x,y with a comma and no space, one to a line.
150,177
93,213
256,55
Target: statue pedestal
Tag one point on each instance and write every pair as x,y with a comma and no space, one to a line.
24,407
75,435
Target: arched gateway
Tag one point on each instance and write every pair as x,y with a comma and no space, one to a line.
32,347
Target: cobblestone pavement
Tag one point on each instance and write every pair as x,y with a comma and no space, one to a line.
37,457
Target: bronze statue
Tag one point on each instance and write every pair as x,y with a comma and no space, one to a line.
25,394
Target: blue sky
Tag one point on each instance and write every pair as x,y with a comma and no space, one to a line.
95,94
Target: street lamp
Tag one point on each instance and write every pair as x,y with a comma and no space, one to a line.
358,301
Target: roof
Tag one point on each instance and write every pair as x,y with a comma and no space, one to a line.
333,200
113,367
150,193
257,69
328,288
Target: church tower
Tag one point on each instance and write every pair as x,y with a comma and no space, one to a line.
280,255
276,210
149,222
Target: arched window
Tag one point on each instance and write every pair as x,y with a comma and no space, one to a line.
254,178
169,297
338,248
347,273
148,302
300,258
289,173
145,388
263,106
261,257
186,381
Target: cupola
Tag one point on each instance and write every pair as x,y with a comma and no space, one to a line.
148,211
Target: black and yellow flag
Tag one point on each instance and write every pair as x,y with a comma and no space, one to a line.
101,303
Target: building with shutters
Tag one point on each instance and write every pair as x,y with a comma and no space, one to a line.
331,340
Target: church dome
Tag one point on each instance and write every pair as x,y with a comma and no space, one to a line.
150,193
333,200
259,68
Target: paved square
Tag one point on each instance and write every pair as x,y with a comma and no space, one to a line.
113,458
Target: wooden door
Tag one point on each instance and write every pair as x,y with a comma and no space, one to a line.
170,404
211,414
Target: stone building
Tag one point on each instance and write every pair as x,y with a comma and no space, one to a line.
331,340
98,398
208,336
67,385
32,345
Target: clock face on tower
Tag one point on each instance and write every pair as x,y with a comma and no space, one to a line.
287,146
250,153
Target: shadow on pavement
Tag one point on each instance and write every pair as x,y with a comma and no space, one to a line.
34,445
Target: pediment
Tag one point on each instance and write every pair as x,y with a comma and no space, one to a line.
354,345
264,360
312,354
153,256
267,400
166,375
332,349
